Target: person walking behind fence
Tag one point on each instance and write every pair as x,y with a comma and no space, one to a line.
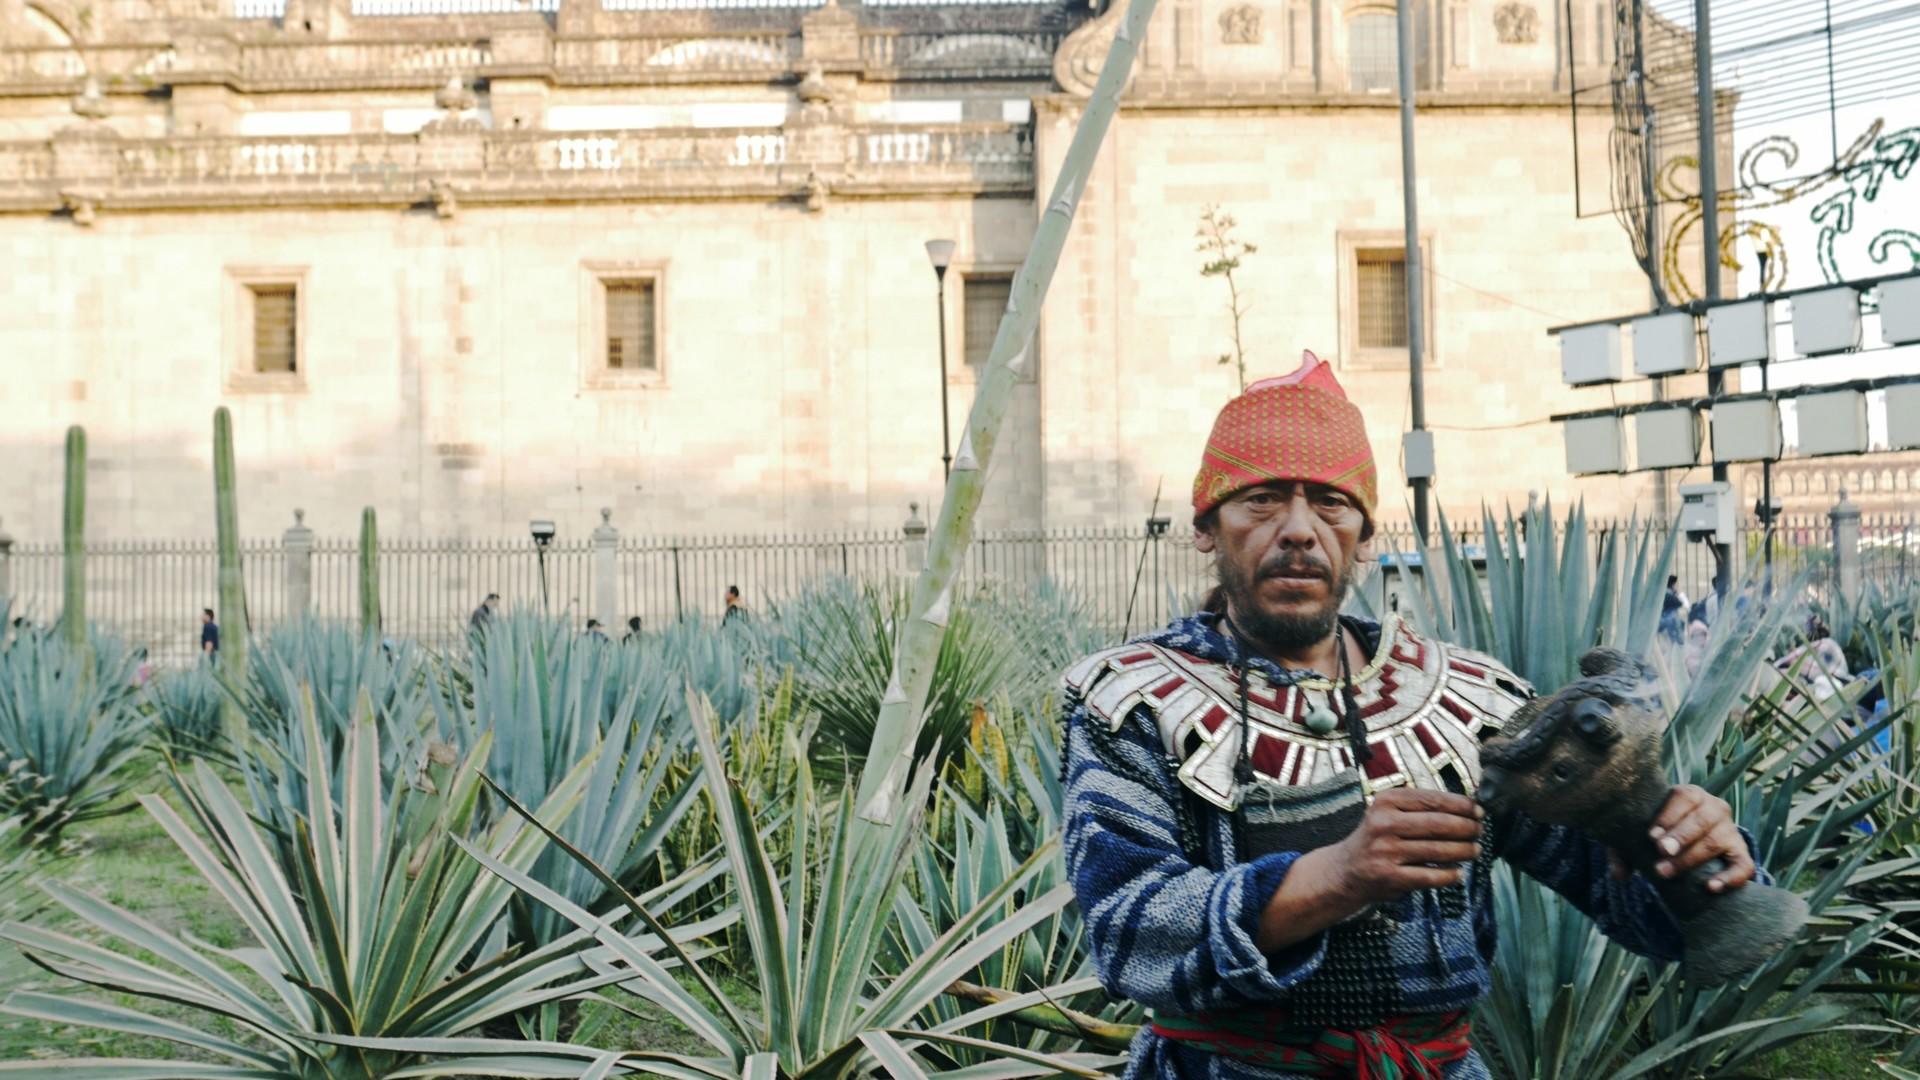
633,629
209,634
1673,610
483,615
596,631
735,609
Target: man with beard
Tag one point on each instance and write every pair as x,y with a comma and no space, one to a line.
1267,820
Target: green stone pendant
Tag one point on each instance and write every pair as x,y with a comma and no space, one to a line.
1321,720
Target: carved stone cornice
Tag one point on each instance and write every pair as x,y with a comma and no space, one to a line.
499,167
290,63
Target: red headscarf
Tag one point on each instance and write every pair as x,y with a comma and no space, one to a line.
1294,427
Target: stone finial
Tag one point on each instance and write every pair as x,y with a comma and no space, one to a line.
606,515
456,96
299,516
914,526
89,102
814,88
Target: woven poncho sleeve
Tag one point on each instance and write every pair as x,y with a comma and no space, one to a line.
1574,865
1165,932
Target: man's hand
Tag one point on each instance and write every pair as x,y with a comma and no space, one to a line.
1408,840
1693,829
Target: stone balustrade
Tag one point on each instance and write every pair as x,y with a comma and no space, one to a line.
427,60
480,166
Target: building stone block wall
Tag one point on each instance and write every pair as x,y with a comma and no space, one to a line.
444,191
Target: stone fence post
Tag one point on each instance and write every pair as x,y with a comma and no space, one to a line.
6,564
1845,517
914,557
606,572
296,562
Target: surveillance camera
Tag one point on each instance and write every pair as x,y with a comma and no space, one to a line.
1157,526
1766,510
542,532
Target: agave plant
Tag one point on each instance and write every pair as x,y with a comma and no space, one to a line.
840,639
328,671
1565,1001
21,863
378,929
68,726
186,706
824,1008
548,697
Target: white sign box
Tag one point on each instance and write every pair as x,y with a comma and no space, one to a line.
1746,430
1740,334
1590,354
1833,423
1596,444
1666,439
1826,321
1900,311
1665,344
1903,416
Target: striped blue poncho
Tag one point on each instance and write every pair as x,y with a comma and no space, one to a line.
1172,902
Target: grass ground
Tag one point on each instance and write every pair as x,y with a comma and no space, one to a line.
130,861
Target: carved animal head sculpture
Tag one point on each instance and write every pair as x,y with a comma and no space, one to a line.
1570,757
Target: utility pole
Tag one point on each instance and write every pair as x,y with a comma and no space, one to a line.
1710,233
1416,271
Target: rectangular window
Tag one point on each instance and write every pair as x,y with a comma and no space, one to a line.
1373,53
985,299
276,328
630,314
1380,301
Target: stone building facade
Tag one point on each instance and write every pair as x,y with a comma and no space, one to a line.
472,268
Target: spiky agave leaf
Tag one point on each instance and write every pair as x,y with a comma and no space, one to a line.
548,696
68,726
817,985
378,927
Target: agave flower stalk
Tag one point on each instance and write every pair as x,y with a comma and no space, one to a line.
73,535
369,574
233,588
890,760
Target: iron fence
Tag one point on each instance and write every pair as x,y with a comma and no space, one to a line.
150,594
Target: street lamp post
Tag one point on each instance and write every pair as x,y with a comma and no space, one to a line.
941,254
542,532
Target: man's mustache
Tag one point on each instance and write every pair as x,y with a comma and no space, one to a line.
1296,566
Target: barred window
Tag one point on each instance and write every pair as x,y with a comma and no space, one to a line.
1373,53
1380,281
275,328
630,325
985,300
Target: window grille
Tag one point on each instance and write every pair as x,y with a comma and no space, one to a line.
1380,279
630,326
1373,53
986,299
275,330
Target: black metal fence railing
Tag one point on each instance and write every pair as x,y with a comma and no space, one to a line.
151,594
